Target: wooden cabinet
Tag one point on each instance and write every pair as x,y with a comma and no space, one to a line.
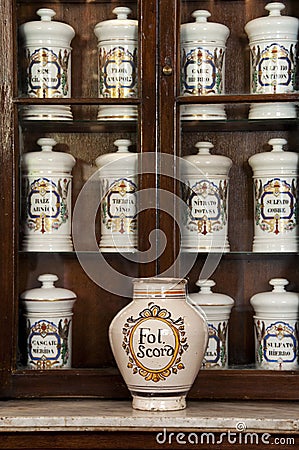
239,273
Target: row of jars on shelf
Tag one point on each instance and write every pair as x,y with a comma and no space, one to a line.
163,337
204,181
47,63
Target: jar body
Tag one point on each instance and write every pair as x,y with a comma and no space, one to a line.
276,342
47,214
118,211
158,341
275,207
205,218
49,333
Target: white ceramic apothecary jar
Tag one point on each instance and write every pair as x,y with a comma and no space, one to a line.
118,182
217,308
117,64
205,192
46,199
48,312
276,327
159,341
203,46
47,65
275,177
273,49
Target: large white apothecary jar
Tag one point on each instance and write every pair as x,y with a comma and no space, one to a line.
275,179
117,64
273,44
276,327
47,65
159,341
217,308
203,46
118,186
47,199
205,193
48,312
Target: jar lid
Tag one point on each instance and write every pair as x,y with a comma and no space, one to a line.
203,31
47,159
122,158
205,296
277,301
277,160
48,292
119,28
46,30
206,163
159,287
274,25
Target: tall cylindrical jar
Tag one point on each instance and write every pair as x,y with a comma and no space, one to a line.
46,65
159,341
203,46
217,308
275,177
276,327
118,186
273,61
46,199
205,192
117,64
48,312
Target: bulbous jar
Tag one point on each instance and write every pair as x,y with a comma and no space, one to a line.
47,65
205,192
203,46
159,341
47,199
48,312
117,64
275,179
276,327
217,308
118,186
273,63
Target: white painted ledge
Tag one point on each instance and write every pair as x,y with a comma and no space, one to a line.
100,415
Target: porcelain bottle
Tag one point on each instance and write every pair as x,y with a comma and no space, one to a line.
275,179
203,47
48,312
117,64
47,65
46,199
276,327
118,186
217,308
159,341
273,62
205,193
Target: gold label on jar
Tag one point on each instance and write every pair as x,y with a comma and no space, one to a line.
47,72
276,205
46,204
154,343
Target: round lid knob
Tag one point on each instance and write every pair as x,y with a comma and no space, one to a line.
46,14
205,163
46,31
47,159
205,296
48,291
278,284
277,161
128,159
202,31
274,26
119,28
